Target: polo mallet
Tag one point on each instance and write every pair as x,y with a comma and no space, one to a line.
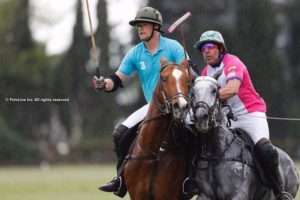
176,24
95,51
179,21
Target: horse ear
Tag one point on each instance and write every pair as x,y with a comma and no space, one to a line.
163,61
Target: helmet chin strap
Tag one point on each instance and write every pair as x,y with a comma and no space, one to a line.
217,64
152,33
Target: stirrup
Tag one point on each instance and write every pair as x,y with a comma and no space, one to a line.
111,186
122,189
189,188
284,196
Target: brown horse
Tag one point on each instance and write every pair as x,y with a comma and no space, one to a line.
155,169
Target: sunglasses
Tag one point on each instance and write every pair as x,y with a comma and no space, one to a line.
208,46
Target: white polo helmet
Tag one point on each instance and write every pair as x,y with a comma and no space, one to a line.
210,36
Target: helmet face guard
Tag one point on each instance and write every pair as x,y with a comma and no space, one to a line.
147,14
210,37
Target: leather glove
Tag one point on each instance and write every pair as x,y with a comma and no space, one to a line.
98,83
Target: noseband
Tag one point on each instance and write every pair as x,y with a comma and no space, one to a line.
211,110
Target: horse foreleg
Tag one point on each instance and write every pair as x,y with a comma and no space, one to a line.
289,172
246,190
236,181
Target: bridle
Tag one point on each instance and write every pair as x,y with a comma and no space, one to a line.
166,106
212,110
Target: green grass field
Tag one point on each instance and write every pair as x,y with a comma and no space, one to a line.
56,183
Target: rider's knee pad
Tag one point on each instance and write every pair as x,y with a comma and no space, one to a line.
123,138
119,133
266,152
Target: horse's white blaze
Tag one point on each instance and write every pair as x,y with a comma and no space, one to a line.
177,75
182,102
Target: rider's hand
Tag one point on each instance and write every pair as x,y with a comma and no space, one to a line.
98,83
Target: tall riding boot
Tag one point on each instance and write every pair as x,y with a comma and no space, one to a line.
115,185
123,138
268,158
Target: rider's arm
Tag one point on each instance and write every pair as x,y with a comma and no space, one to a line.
230,89
126,68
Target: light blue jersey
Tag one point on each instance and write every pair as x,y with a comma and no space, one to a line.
147,65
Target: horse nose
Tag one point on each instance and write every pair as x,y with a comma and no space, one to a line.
178,109
181,103
201,113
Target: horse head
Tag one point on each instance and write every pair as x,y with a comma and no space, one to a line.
205,103
173,88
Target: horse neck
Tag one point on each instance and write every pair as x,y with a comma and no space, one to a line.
222,135
219,137
220,118
154,130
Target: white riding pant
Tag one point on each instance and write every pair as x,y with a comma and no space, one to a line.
255,124
136,117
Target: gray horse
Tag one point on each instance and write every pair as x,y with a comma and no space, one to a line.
225,166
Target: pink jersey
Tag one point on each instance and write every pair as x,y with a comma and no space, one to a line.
247,100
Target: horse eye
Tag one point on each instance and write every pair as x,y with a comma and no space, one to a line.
188,83
164,79
214,91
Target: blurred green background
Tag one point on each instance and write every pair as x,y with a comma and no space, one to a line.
50,115
36,128
60,182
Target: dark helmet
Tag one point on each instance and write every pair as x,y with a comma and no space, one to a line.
147,14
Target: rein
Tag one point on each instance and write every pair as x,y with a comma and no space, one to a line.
164,111
152,155
213,121
219,157
211,110
166,106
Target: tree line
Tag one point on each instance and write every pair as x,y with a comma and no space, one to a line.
263,33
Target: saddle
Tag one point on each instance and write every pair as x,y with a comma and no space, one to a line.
249,144
240,149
